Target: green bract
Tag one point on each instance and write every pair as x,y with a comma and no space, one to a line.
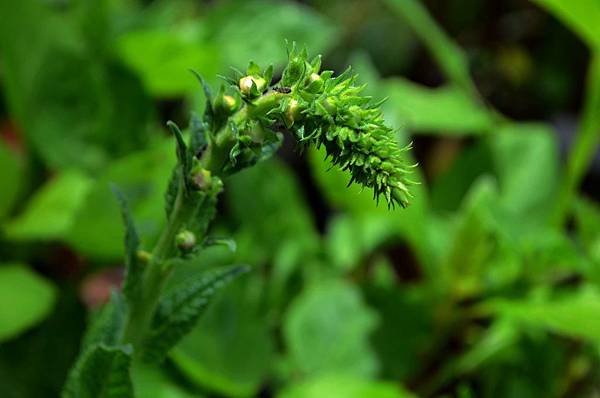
318,109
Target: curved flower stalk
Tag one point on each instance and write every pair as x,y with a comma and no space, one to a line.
142,323
318,109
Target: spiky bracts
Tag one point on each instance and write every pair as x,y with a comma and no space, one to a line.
321,110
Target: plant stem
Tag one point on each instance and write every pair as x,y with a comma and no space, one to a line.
583,149
157,271
155,276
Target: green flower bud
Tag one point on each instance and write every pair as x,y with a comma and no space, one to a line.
201,178
314,83
226,104
330,105
185,240
293,112
252,86
143,256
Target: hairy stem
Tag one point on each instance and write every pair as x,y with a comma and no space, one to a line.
157,272
155,276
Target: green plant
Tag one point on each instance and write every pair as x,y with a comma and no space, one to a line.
239,128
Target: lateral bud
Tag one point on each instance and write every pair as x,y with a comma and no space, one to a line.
292,112
252,86
226,104
201,178
185,240
314,83
143,256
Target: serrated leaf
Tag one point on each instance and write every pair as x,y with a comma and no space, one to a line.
103,372
178,312
172,189
198,140
209,112
183,156
203,214
108,325
231,350
133,268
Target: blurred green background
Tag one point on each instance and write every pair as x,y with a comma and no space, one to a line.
488,285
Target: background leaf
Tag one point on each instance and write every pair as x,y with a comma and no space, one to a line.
51,211
326,331
30,296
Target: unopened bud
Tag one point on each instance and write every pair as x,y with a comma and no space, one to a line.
226,104
201,178
293,112
330,105
247,83
185,240
143,256
314,83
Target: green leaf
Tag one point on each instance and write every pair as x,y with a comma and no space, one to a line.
231,351
198,133
572,315
408,310
279,212
203,212
52,210
183,155
478,245
27,299
172,190
167,57
339,386
444,110
178,312
108,325
260,37
97,230
134,270
330,312
153,382
75,107
11,179
103,372
497,339
526,160
581,16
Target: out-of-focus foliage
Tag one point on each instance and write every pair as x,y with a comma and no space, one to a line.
28,297
487,285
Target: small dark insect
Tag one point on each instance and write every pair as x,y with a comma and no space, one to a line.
283,90
201,150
